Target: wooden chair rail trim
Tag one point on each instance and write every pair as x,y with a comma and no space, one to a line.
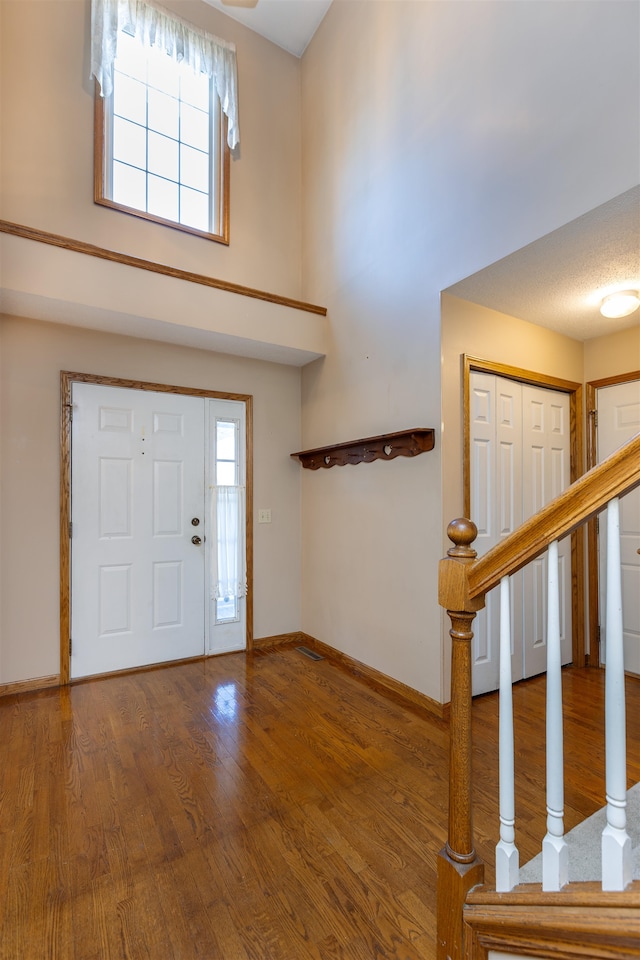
91,250
615,476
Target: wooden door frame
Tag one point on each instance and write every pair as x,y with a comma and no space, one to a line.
593,572
574,390
67,379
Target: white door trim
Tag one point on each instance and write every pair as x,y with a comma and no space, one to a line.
67,378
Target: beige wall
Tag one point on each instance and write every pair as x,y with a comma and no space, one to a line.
612,355
416,143
436,138
489,335
46,183
47,147
32,355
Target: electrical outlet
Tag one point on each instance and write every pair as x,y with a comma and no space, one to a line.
264,516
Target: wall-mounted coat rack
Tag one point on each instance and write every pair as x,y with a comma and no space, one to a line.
404,443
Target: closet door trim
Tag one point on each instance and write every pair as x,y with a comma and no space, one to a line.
578,639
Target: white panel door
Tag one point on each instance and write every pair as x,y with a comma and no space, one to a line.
618,421
520,459
496,506
137,578
546,469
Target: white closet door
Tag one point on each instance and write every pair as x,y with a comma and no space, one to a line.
496,508
137,483
520,459
546,461
618,421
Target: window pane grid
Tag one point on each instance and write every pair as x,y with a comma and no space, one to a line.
176,162
226,460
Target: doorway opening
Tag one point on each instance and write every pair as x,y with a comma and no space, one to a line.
156,514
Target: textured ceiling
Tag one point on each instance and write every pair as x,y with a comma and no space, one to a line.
559,281
288,23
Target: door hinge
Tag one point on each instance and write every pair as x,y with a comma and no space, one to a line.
70,646
70,528
69,407
594,416
598,635
598,530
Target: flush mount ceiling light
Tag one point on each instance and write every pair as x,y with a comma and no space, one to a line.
620,304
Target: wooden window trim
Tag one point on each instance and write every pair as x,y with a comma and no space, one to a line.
99,166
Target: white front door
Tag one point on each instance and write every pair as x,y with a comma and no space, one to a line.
618,421
519,460
138,488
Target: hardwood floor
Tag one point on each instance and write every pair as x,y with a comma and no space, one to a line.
265,807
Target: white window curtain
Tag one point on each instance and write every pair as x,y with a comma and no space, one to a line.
228,513
156,27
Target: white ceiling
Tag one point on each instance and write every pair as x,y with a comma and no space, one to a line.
288,23
559,280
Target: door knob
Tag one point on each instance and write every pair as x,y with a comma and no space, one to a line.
195,522
196,540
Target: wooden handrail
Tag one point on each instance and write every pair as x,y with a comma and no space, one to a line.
614,477
463,584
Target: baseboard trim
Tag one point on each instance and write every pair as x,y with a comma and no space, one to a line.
377,680
279,640
374,678
29,686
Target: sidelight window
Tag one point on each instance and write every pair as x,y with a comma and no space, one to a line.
229,505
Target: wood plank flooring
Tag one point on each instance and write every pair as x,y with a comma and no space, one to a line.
261,807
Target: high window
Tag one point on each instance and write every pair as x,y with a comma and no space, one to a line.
166,117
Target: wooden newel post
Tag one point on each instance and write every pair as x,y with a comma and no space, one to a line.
459,868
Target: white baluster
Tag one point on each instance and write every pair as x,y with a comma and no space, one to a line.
507,856
616,844
555,852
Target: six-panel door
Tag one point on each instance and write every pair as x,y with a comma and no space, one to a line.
137,485
618,421
519,460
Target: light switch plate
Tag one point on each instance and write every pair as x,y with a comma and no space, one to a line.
264,516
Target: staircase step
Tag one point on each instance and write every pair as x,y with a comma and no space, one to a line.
585,844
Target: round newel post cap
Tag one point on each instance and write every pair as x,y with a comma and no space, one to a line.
462,533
